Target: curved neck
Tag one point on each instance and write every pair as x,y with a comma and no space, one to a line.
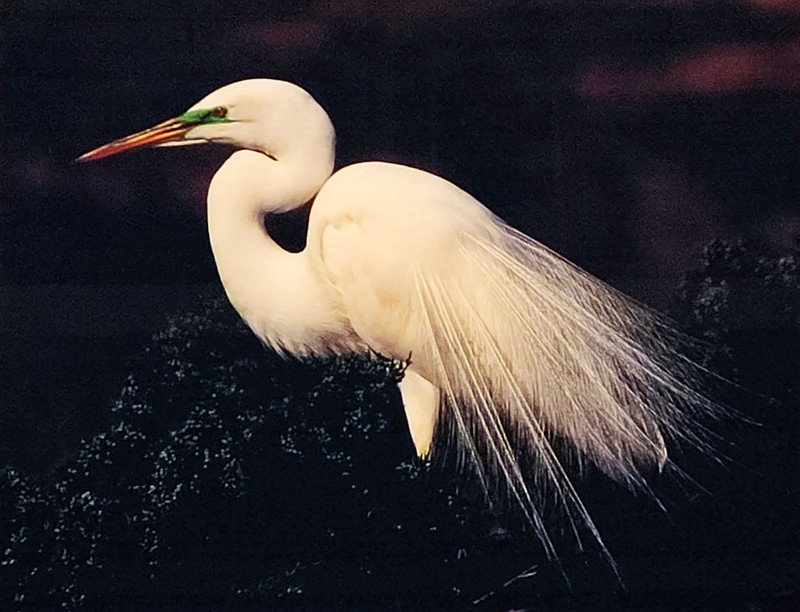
276,292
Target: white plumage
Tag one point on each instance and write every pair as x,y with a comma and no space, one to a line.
515,344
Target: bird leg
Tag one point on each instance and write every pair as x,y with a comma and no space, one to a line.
421,402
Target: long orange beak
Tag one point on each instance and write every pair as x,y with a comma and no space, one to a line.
169,131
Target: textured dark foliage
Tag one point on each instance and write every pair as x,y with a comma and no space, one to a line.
746,305
231,479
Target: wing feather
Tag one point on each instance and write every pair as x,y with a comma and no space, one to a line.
527,348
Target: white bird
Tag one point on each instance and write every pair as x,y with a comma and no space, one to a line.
515,344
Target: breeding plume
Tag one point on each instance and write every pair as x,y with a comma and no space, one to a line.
515,345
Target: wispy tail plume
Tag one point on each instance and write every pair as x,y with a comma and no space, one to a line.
527,348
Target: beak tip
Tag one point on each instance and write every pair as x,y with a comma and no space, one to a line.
168,131
92,155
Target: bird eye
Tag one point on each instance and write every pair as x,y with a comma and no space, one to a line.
220,112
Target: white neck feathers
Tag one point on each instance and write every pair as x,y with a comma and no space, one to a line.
276,292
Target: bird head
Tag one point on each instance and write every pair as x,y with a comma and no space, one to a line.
261,114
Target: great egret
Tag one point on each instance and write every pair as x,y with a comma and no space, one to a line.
514,343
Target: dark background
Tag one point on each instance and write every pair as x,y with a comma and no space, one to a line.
626,135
